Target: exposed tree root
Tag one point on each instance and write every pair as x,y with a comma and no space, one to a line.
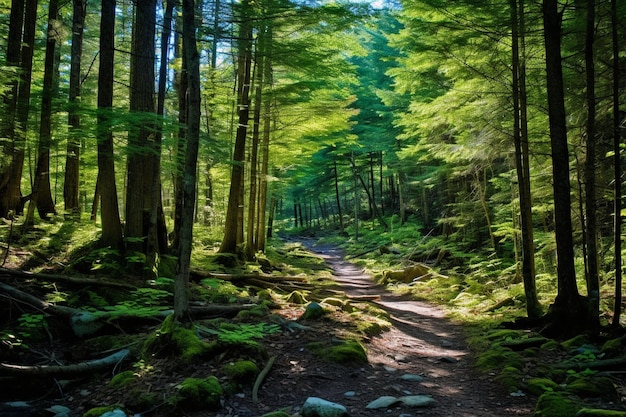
261,377
66,370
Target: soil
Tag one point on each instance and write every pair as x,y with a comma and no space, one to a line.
421,342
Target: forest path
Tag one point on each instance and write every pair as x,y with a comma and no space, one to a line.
421,342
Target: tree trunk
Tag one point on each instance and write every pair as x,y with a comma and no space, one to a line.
568,311
142,150
9,194
520,138
106,188
179,158
10,183
338,199
41,195
617,174
265,143
232,227
593,284
72,159
181,299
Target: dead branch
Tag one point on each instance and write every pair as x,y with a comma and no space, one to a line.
66,370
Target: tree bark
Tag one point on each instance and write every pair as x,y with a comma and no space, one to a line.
41,195
72,159
593,283
106,188
617,174
142,150
181,295
568,312
520,139
234,225
12,151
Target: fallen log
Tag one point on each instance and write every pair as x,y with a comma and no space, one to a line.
65,278
86,323
245,277
66,370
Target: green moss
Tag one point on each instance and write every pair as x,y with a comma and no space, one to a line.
174,339
98,411
199,394
241,371
372,326
348,351
575,342
336,302
594,412
551,345
510,377
555,404
255,312
297,297
538,386
613,347
498,358
138,399
122,379
591,386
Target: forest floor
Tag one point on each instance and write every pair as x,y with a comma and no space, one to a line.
422,341
423,354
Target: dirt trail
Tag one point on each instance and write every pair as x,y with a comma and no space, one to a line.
422,342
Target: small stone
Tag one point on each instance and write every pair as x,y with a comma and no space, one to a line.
382,402
417,400
318,407
390,368
412,377
349,394
401,358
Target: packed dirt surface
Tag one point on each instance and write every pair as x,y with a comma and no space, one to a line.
421,342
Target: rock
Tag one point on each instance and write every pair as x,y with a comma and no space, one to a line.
417,400
318,407
114,413
412,377
313,311
59,411
382,402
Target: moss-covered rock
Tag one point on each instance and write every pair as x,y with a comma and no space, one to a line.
348,351
122,379
510,377
313,311
140,399
575,342
613,348
557,404
241,372
199,394
297,297
591,386
538,386
372,326
499,358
